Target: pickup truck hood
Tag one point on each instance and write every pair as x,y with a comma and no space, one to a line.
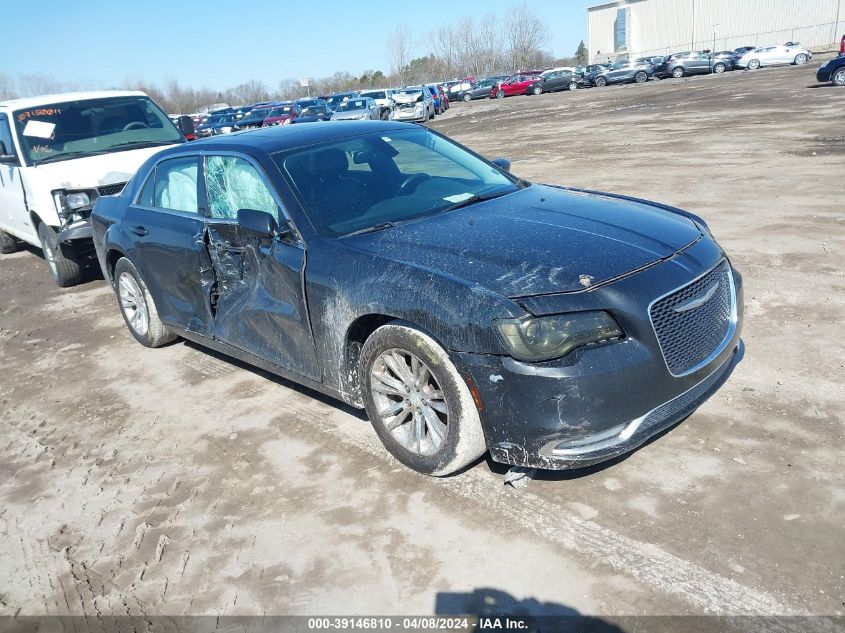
539,240
90,171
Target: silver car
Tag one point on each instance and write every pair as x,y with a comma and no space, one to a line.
413,104
357,108
383,99
773,55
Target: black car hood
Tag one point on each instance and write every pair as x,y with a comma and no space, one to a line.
538,240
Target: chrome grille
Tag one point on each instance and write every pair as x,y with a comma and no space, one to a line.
111,190
693,322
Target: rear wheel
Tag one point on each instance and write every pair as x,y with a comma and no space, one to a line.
641,77
417,401
800,58
838,78
137,307
500,94
8,244
573,86
62,259
754,64
467,97
719,68
678,72
601,82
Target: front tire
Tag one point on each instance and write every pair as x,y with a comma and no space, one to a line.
573,86
800,58
719,69
641,77
500,94
601,82
62,259
137,307
838,78
754,64
467,97
678,72
417,401
537,90
8,244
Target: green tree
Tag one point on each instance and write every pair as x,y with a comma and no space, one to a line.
581,55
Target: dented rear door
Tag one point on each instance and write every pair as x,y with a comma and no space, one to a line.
258,298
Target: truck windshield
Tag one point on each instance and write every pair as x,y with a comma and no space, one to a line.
60,131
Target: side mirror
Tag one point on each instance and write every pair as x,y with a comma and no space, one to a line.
5,157
186,125
502,163
259,223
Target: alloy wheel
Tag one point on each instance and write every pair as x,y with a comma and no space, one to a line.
801,58
50,256
411,405
678,73
133,304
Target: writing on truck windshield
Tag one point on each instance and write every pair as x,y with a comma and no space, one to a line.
61,131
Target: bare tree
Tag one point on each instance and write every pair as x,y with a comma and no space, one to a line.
399,52
526,35
7,87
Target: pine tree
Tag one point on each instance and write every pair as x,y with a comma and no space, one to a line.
581,55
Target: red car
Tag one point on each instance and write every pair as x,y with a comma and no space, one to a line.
514,85
282,115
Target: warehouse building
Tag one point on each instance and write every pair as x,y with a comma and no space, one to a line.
636,28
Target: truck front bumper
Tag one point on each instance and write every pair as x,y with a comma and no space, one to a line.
79,230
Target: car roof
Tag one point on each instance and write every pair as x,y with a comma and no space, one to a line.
275,139
30,102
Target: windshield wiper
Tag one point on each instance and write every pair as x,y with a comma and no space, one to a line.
473,199
372,229
142,144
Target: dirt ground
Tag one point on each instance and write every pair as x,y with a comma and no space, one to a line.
173,481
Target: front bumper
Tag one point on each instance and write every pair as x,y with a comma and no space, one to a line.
601,401
79,230
824,73
408,115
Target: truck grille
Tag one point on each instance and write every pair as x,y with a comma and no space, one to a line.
693,322
111,190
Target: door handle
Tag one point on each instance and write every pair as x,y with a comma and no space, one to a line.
139,230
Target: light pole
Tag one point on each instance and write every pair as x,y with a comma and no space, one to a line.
692,46
715,30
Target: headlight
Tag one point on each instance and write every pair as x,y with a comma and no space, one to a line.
77,200
544,338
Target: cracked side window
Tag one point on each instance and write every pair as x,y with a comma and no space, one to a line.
233,183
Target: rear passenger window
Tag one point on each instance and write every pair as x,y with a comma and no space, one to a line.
233,183
176,185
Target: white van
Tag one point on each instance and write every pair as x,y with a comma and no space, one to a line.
58,154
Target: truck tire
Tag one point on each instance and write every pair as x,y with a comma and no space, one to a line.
8,244
137,306
418,402
62,259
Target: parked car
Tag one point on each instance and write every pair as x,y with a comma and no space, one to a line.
431,89
774,55
480,89
413,104
282,115
255,117
313,113
383,99
679,65
357,108
444,97
555,80
58,155
833,70
332,101
448,360
620,72
513,85
218,124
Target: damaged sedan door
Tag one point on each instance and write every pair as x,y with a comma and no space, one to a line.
258,295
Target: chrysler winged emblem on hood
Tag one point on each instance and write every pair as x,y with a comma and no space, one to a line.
692,304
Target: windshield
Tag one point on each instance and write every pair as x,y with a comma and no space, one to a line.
352,104
92,126
314,110
379,94
279,112
357,183
337,99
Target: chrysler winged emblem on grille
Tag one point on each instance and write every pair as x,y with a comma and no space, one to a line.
692,304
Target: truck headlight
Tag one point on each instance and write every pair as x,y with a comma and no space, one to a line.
77,200
544,338
69,203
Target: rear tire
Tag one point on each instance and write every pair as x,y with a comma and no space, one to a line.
838,78
8,244
641,77
573,86
601,82
467,97
434,439
500,94
719,69
800,58
61,258
137,307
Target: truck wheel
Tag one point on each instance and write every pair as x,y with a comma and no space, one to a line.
8,244
61,258
418,403
137,307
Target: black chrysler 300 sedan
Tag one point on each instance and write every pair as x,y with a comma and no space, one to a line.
465,309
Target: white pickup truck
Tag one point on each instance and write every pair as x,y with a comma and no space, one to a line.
58,154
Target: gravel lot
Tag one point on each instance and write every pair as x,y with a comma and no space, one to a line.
173,481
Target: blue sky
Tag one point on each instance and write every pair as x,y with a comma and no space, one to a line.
206,43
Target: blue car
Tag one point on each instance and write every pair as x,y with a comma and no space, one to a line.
217,124
465,309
